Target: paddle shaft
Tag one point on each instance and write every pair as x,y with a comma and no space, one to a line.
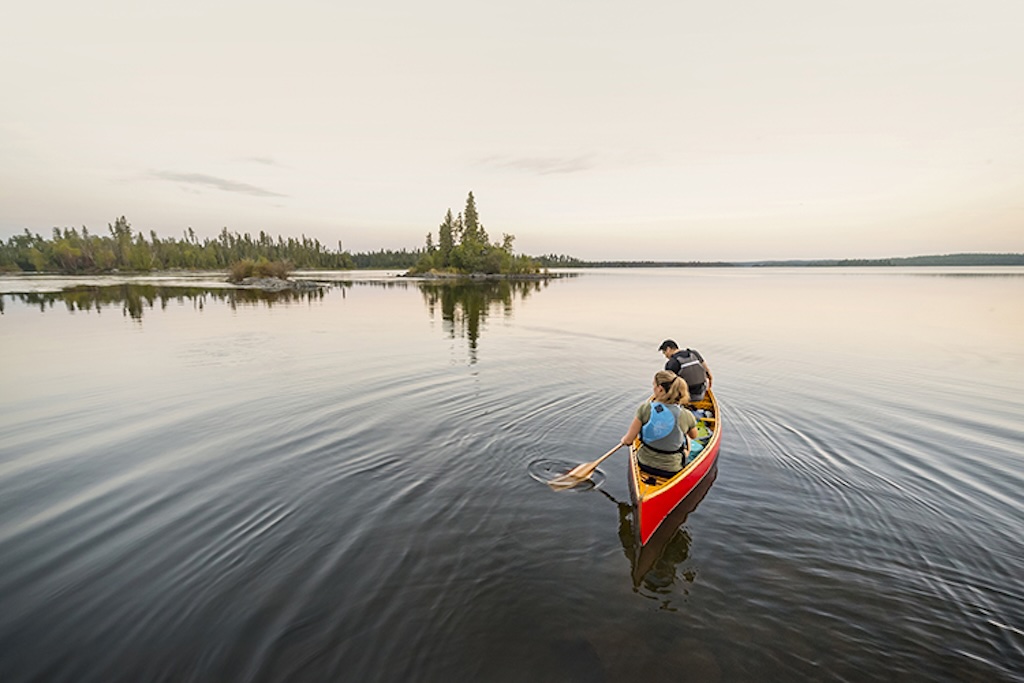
606,455
586,469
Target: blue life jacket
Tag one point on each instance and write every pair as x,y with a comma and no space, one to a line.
661,432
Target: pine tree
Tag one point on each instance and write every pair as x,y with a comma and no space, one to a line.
471,222
459,230
446,240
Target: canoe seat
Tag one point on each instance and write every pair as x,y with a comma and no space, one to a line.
649,472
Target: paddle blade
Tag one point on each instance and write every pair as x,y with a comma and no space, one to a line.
573,477
582,471
579,474
566,482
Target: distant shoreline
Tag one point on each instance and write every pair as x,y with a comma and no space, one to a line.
570,263
965,259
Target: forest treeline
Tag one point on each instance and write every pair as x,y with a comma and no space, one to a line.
963,259
74,252
462,247
967,259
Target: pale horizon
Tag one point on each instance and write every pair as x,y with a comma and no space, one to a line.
661,132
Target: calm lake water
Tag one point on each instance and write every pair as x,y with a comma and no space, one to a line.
204,484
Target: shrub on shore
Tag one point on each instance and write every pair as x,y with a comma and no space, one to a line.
246,268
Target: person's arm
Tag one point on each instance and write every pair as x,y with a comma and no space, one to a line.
707,371
691,421
632,433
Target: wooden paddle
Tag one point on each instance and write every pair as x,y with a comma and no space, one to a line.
581,473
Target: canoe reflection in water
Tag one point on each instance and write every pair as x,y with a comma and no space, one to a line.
655,565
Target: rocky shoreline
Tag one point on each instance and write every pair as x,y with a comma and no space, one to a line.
274,284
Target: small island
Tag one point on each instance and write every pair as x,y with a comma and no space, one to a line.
265,274
463,249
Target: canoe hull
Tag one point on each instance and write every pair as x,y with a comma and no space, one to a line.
668,535
654,498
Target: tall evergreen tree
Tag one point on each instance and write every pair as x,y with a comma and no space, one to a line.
446,240
471,222
459,229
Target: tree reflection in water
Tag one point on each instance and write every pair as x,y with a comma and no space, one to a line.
465,304
135,299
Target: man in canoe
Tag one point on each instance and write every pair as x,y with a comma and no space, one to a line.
689,365
663,425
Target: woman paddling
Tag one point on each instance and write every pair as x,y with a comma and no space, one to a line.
663,425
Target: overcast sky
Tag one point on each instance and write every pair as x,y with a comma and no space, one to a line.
661,129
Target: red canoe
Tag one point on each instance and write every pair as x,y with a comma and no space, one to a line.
654,498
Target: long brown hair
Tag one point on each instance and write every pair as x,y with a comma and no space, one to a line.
675,388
